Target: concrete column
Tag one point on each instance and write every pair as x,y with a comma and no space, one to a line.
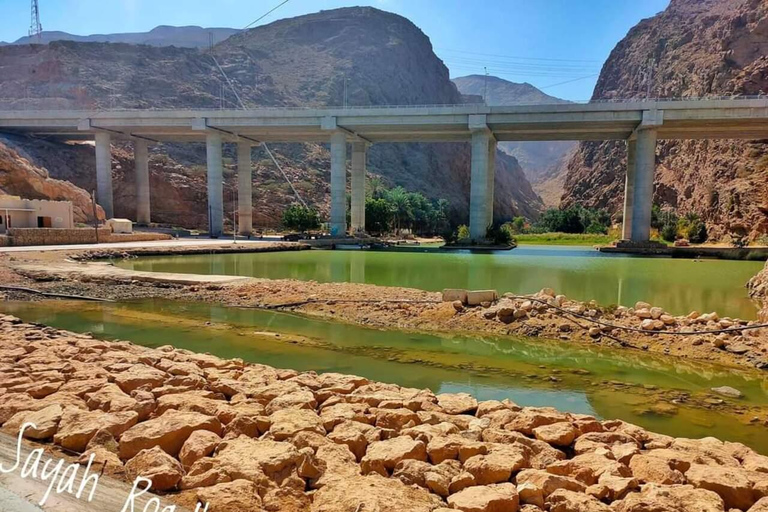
645,166
478,193
491,178
358,187
141,158
104,173
244,189
338,184
629,192
215,187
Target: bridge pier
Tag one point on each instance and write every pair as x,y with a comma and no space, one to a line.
481,182
215,187
359,154
639,185
141,159
244,189
104,173
338,184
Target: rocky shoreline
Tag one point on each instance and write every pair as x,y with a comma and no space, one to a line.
545,314
758,290
246,436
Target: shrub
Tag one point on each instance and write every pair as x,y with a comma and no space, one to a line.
499,234
697,232
300,218
518,225
462,233
669,232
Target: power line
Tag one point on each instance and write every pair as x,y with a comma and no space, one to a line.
266,14
569,81
517,57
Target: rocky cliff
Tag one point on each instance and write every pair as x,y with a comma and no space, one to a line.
300,61
19,177
693,48
542,162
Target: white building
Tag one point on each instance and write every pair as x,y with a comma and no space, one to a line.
16,212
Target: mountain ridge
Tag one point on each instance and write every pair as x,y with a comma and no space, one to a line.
189,36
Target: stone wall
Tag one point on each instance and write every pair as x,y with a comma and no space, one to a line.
52,236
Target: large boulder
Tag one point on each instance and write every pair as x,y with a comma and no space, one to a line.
77,427
731,484
286,423
237,496
169,431
383,456
200,443
164,471
486,498
372,493
498,465
670,498
46,423
457,403
563,500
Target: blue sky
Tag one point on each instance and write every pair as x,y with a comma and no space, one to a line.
556,45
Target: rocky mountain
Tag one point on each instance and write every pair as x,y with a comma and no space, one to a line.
693,48
542,162
163,35
302,61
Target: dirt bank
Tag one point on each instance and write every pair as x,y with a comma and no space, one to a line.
250,437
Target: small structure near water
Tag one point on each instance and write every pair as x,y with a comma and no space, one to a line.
16,212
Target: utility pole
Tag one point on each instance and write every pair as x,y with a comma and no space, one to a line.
345,90
35,28
485,86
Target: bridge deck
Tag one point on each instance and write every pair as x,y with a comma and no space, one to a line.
683,119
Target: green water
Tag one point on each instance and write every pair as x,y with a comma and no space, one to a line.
577,378
677,285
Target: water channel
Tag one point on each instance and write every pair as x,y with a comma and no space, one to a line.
664,394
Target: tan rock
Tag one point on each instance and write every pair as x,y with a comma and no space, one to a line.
648,468
412,472
46,423
589,467
663,498
339,413
77,427
486,498
563,500
169,431
236,496
164,471
206,472
454,447
760,505
533,417
395,419
531,494
372,493
201,443
548,482
139,376
460,482
558,434
611,488
731,484
287,423
302,399
457,403
498,465
335,463
383,456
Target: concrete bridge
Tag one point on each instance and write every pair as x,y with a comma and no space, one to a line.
639,123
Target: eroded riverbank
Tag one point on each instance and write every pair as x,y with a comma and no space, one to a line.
214,430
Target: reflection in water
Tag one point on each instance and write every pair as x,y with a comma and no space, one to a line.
571,377
677,285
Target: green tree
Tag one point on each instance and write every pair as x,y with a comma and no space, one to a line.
378,215
401,207
300,218
518,225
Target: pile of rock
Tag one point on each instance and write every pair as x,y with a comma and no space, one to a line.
248,437
758,290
